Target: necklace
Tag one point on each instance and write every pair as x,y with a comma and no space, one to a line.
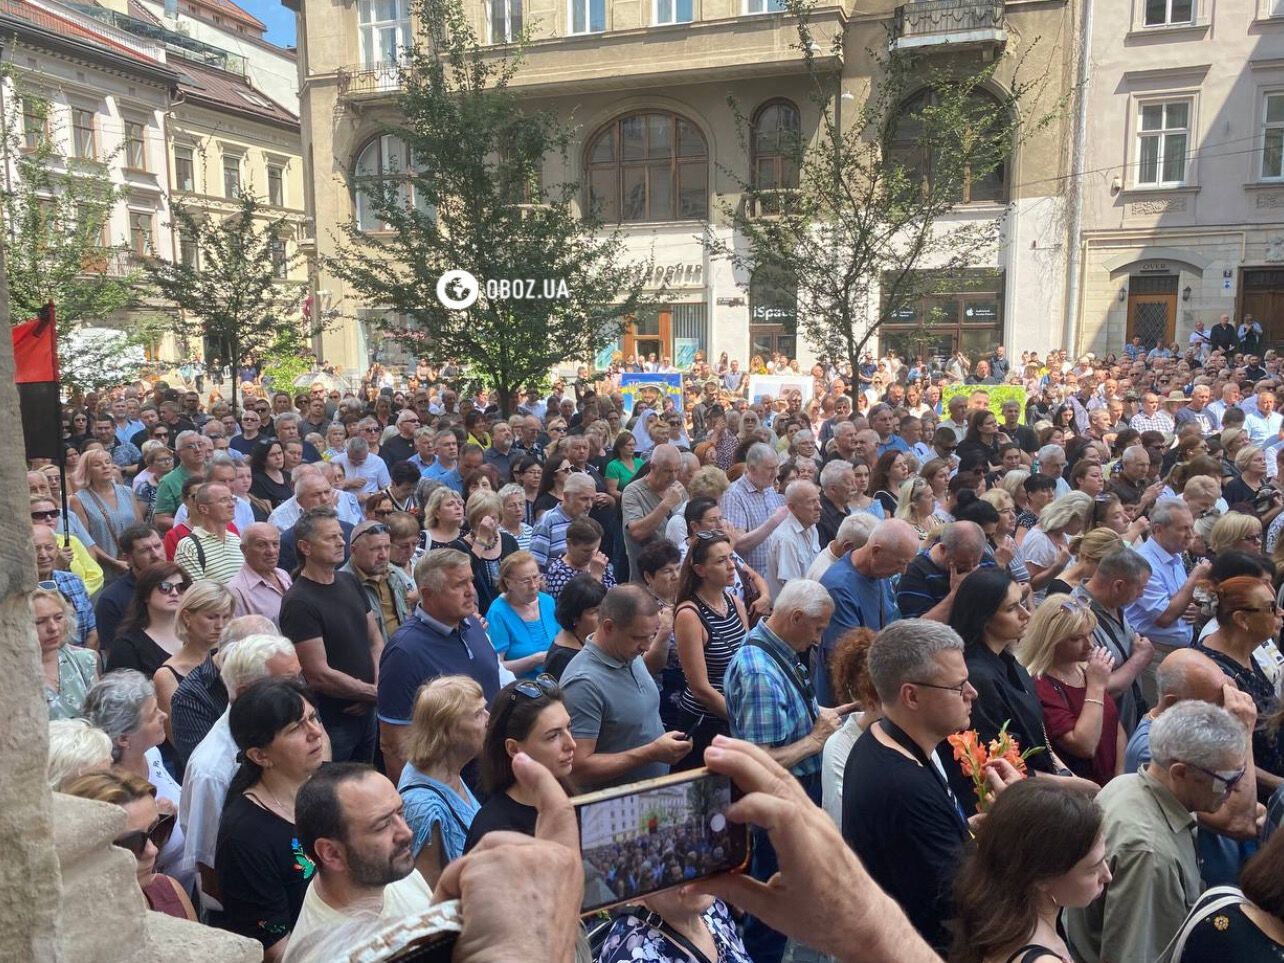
281,810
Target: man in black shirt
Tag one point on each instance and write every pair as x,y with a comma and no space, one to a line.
328,618
836,483
899,814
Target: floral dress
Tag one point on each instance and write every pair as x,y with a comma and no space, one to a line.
633,937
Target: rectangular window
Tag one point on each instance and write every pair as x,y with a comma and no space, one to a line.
1273,141
764,6
588,16
505,20
280,265
188,253
184,169
674,11
231,177
384,31
135,145
140,233
1163,139
35,122
276,187
84,141
1162,13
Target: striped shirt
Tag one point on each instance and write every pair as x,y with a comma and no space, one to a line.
747,508
202,554
725,634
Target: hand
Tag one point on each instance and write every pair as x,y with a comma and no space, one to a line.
779,515
665,628
957,576
830,721
1153,491
66,557
674,496
1063,556
671,747
999,774
597,565
1240,705
761,605
1137,529
1199,572
603,498
487,528
1004,551
821,893
1143,650
166,807
533,920
1097,669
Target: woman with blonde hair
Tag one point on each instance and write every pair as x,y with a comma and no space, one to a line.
522,619
205,608
444,519
1200,494
76,747
512,518
1070,676
446,732
487,545
69,671
104,506
916,504
1235,532
708,482
1046,547
1088,551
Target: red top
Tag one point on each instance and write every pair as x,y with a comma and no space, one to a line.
162,897
1062,705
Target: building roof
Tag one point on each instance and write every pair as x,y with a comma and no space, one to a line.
67,28
201,83
139,12
229,9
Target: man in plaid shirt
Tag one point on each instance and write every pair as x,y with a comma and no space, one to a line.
771,702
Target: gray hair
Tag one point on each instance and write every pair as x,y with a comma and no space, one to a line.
962,535
242,627
906,651
1123,565
245,661
301,481
430,573
76,747
759,453
221,459
856,529
286,418
833,471
356,445
1166,511
1059,512
1051,453
184,437
1135,453
579,480
426,486
1198,734
509,490
798,489
115,704
806,596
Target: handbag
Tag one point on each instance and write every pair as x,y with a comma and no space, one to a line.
751,595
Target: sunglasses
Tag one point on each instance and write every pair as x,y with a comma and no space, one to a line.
375,529
542,685
37,516
172,588
158,835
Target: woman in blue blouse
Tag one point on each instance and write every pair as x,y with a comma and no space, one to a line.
446,734
522,621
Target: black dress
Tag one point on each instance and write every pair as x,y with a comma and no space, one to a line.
501,812
135,649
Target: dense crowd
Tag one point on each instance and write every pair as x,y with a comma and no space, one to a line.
322,647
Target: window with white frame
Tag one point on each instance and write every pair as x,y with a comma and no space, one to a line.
384,27
1163,142
231,176
764,6
276,185
140,233
136,145
184,169
505,20
384,174
1164,13
84,135
1273,136
588,16
674,11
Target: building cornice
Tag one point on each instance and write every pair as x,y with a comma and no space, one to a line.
83,51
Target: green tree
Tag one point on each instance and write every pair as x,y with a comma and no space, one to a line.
230,290
56,211
863,234
475,201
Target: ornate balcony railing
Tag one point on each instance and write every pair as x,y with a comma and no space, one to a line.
365,81
927,23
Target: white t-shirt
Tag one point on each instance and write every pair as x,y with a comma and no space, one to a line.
406,897
171,860
834,763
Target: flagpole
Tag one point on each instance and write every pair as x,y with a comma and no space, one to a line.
48,314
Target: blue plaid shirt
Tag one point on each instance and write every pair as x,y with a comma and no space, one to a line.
73,590
766,707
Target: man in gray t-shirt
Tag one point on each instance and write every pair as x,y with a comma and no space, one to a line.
648,503
613,701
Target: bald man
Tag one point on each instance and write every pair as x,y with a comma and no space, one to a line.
927,590
860,585
649,502
794,545
259,586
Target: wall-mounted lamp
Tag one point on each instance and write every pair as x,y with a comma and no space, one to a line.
1123,294
1116,185
1185,293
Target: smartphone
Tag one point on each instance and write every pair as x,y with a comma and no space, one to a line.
654,835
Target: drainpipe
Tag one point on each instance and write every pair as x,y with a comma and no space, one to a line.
1074,273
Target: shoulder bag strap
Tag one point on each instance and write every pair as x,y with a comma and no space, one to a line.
654,920
1217,898
442,796
102,508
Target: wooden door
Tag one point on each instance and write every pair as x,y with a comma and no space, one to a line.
650,334
1152,308
1263,298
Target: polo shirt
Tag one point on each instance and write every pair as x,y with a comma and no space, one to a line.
423,649
765,706
1167,576
615,703
1150,846
922,587
449,477
169,493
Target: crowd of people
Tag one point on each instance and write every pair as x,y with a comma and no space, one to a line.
331,649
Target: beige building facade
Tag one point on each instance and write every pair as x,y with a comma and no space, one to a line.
1183,183
653,78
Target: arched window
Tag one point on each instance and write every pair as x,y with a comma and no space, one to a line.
386,160
649,167
776,132
926,148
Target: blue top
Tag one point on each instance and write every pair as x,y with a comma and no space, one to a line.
639,937
858,602
430,803
423,649
447,476
515,639
1167,576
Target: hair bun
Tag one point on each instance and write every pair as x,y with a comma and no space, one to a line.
966,497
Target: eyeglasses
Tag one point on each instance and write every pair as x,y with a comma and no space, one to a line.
375,529
960,688
1273,608
158,834
39,516
531,580
556,428
565,470
542,685
1231,779
371,428
172,588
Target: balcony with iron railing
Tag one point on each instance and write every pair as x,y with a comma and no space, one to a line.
949,23
361,83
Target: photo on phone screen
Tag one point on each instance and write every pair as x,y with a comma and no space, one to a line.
657,834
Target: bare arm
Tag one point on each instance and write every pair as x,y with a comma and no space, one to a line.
692,638
593,768
431,859
376,643
646,526
327,680
390,746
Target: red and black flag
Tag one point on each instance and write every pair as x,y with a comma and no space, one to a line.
35,355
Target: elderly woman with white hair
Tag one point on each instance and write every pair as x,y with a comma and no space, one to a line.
1046,547
68,670
76,747
123,705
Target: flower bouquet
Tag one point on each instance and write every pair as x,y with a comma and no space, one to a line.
972,755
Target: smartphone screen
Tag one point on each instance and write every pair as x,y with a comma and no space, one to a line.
657,834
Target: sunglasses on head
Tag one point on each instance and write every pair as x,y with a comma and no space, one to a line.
375,529
159,833
542,685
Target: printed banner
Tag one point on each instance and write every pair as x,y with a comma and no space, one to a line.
778,386
998,394
651,388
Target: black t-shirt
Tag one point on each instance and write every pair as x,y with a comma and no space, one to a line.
262,872
501,812
246,445
1227,934
558,658
900,821
1237,491
337,614
136,650
923,586
270,491
396,449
